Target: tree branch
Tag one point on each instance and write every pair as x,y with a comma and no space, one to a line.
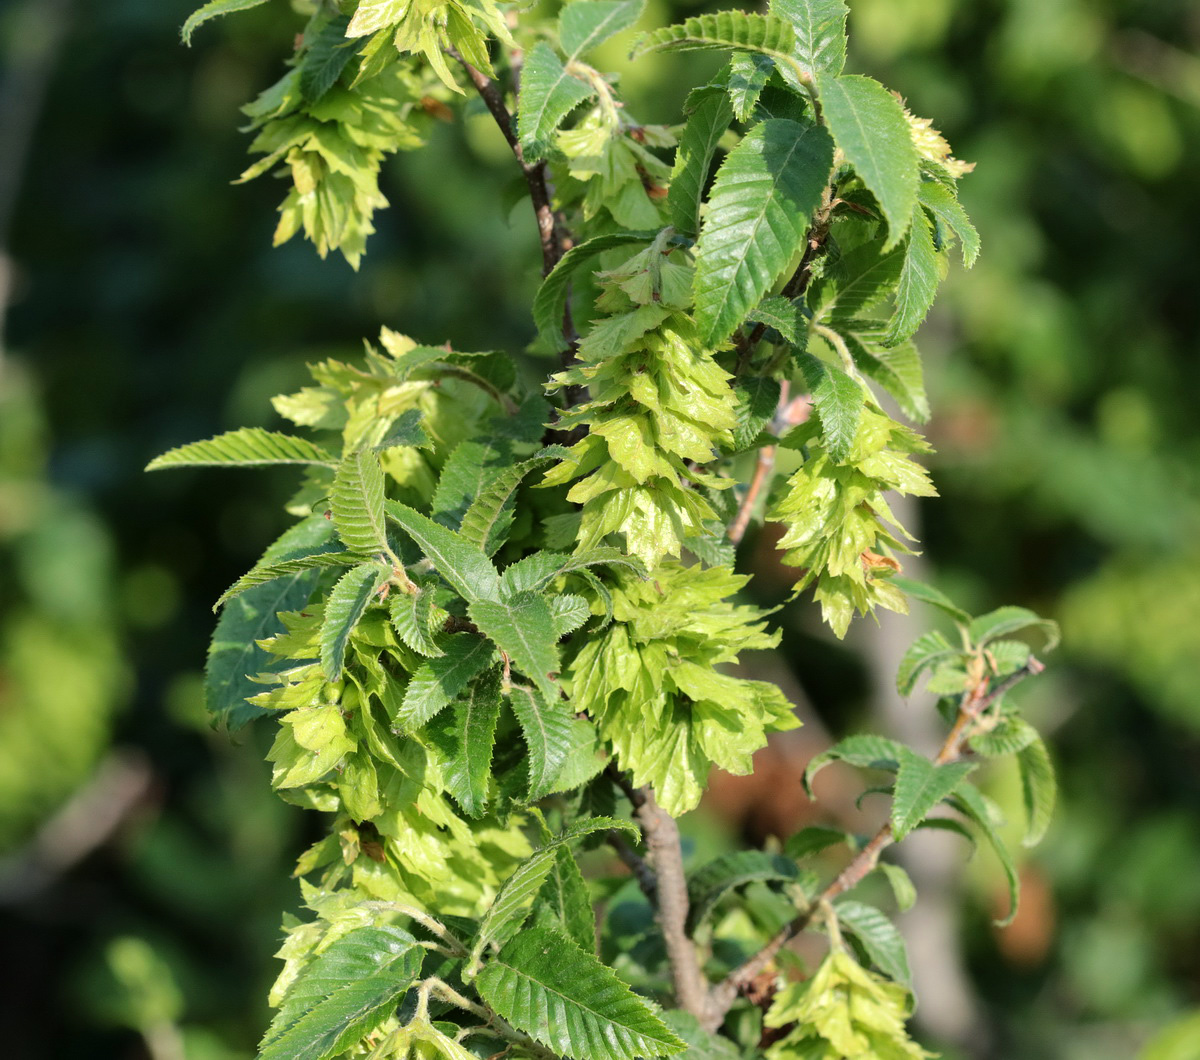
973,704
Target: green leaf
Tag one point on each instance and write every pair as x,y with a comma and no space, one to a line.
357,503
268,572
548,727
537,571
466,736
247,447
813,840
463,566
759,210
865,751
748,74
859,279
758,398
407,432
820,30
565,894
944,205
708,884
548,94
838,401
701,1044
697,146
918,281
326,58
550,303
569,612
412,617
586,24
344,994
234,652
927,594
879,937
486,521
1039,789
784,316
897,368
214,9
902,885
920,786
982,812
439,681
544,985
523,627
511,906
927,650
1008,736
1006,620
868,124
346,604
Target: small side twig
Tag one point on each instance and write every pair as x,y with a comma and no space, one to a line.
636,864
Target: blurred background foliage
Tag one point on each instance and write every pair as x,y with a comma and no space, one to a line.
143,860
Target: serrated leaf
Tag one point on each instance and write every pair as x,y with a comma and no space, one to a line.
357,503
1008,736
548,94
347,602
247,447
813,840
897,368
569,613
865,751
868,124
268,572
548,727
880,938
926,651
550,303
920,786
325,59
234,652
439,681
565,894
901,883
412,614
820,31
709,883
344,994
486,521
757,400
944,205
1006,620
919,281
748,74
544,985
927,594
859,279
465,736
214,9
838,401
586,24
511,906
693,159
463,566
537,571
1039,790
982,812
406,431
784,316
523,628
759,210
370,16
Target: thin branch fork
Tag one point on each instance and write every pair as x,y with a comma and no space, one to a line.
973,704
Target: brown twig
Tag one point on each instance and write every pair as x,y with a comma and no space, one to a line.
973,704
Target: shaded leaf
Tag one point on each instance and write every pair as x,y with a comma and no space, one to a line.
982,812
920,786
897,368
757,400
864,751
705,126
880,938
326,58
345,606
838,400
927,594
466,735
412,614
548,94
268,572
439,681
548,727
926,651
944,205
709,883
901,883
565,894
748,74
486,521
214,9
813,840
1006,620
1039,790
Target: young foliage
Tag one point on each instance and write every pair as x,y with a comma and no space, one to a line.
504,626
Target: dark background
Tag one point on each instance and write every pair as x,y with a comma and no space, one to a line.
144,862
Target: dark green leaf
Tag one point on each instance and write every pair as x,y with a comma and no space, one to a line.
1039,789
463,567
784,316
357,503
868,124
465,735
813,840
927,650
346,604
1006,620
897,368
920,786
523,628
708,884
859,279
820,30
439,681
565,894
548,95
248,447
325,58
878,935
759,210
488,518
544,985
982,812
705,126
748,74
944,205
406,431
268,572
548,727
757,399
838,400
866,752
919,281
412,615
1008,736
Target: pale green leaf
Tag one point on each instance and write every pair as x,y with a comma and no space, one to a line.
268,572
465,736
920,786
820,31
868,124
345,607
247,447
214,9
838,401
918,281
539,569
1039,789
440,680
357,503
344,994
759,210
705,126
586,24
1006,620
545,985
548,95
463,566
569,613
865,751
982,812
373,15
712,881
880,938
